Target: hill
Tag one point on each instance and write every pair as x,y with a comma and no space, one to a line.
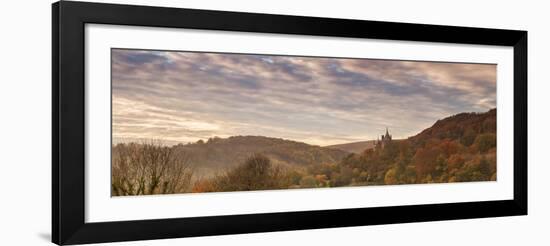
229,152
355,147
463,127
458,148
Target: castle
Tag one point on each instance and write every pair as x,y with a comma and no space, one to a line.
385,139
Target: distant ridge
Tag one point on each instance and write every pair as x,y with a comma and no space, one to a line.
355,147
229,152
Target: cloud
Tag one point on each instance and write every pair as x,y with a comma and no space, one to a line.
186,96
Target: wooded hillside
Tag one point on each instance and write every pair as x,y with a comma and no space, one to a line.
459,148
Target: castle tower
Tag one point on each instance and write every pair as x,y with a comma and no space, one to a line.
386,138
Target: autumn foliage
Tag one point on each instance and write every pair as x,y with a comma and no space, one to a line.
460,148
457,149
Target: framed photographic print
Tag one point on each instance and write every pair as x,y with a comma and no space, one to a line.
175,122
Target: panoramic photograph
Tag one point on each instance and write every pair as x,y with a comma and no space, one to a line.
195,122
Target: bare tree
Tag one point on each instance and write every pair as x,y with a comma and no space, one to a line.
149,168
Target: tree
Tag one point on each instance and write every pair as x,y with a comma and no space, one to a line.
455,161
476,169
410,175
425,160
363,177
321,180
149,168
203,186
390,177
343,178
468,138
486,142
308,182
484,167
256,173
440,166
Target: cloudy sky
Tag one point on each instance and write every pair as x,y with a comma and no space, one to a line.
187,96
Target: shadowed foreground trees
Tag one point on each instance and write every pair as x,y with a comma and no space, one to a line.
256,173
149,168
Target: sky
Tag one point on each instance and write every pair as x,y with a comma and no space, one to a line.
177,96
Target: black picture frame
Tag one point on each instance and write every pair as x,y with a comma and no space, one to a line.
68,118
